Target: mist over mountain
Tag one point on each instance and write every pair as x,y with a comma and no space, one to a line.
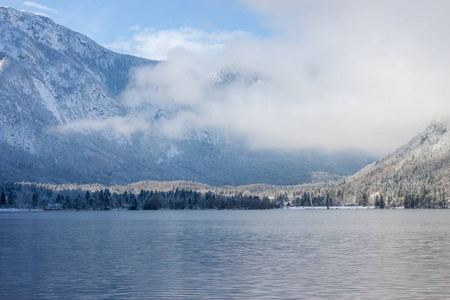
67,115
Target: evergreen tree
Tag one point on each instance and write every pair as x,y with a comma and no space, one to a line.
382,204
77,202
364,200
89,200
3,199
133,202
67,204
106,203
377,201
406,202
119,201
11,199
34,200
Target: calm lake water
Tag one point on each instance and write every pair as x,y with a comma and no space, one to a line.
284,254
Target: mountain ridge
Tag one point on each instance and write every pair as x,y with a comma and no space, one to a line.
423,160
64,120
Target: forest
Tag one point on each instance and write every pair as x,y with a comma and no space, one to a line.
14,195
34,196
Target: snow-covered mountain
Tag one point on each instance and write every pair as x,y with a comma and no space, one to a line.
420,169
54,80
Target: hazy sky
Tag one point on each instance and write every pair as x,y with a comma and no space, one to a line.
335,75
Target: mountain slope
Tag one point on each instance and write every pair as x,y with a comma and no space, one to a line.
63,120
420,168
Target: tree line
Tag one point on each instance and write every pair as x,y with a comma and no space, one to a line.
32,196
14,195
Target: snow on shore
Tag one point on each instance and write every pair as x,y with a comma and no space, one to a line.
6,210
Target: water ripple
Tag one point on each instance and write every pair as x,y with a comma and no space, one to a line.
225,255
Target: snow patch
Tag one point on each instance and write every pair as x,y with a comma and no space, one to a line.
173,151
332,207
47,99
13,210
3,63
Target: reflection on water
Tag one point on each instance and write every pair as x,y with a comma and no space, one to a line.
287,254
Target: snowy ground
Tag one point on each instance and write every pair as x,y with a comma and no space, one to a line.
6,210
3,210
334,207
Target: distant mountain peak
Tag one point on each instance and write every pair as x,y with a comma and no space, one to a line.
234,74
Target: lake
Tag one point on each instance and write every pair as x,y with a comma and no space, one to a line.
209,254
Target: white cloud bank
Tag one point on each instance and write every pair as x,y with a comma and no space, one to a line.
158,45
336,75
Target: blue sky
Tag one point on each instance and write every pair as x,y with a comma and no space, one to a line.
105,21
355,74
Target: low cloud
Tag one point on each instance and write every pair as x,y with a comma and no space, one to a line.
364,75
154,44
39,6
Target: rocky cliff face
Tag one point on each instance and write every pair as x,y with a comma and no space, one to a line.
53,80
52,75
